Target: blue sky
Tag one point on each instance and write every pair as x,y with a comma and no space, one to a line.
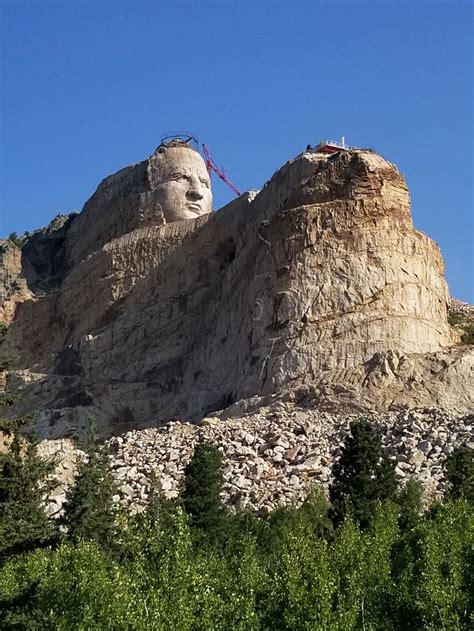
88,87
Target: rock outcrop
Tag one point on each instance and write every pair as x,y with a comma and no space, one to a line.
13,286
319,281
43,255
32,267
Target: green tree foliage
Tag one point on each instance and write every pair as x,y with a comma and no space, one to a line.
159,509
433,571
3,332
355,580
465,325
362,477
201,491
460,474
25,480
311,517
159,517
410,501
89,510
291,569
14,238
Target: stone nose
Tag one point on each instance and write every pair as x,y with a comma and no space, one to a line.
195,190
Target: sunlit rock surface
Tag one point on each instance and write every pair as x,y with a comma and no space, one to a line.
319,281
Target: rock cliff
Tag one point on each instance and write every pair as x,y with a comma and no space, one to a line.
318,284
13,286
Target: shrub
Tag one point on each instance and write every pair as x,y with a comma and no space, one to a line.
14,238
464,324
3,332
460,474
468,335
410,501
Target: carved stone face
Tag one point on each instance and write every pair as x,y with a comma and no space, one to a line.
181,183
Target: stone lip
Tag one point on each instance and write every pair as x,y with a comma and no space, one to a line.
319,280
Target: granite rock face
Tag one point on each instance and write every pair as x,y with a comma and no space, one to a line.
43,255
32,268
318,284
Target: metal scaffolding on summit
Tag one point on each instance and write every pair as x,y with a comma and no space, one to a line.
332,146
184,137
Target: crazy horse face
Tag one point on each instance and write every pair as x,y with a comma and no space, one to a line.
180,182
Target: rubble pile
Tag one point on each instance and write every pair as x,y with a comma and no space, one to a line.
273,457
462,308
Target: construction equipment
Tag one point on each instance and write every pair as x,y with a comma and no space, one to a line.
184,137
220,172
332,146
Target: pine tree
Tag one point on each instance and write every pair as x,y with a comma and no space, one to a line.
159,508
14,238
460,474
362,477
89,509
25,481
202,488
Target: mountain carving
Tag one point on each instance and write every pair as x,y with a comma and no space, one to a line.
317,286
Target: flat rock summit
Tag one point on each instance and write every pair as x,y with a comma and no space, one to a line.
147,307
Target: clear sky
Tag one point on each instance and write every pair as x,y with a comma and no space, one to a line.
88,87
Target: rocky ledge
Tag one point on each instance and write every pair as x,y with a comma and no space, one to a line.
273,456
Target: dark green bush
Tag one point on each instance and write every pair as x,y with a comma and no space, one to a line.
468,335
201,492
14,238
460,474
362,477
3,331
465,325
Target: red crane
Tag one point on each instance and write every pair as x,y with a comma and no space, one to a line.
211,166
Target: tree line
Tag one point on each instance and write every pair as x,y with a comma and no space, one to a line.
370,557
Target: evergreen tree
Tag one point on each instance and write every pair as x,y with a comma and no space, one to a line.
362,477
410,501
14,238
160,511
202,488
25,481
460,474
89,510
